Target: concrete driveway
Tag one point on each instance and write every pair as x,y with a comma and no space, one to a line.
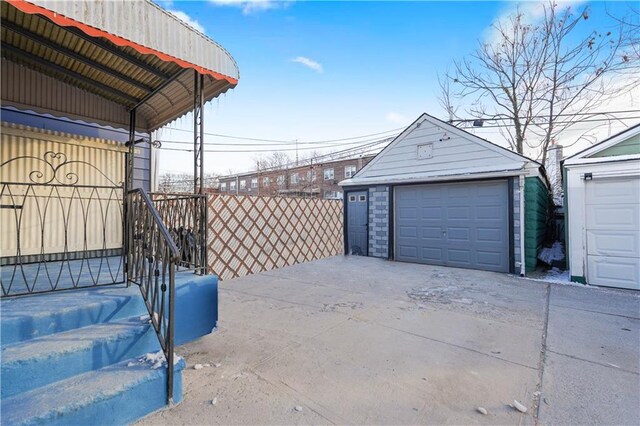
368,341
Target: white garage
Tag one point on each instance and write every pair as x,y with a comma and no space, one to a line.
603,201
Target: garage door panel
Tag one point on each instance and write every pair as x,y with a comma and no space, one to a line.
432,233
494,213
408,252
614,271
461,212
491,260
474,216
613,243
489,235
408,231
434,255
407,213
614,216
460,257
434,213
462,234
612,191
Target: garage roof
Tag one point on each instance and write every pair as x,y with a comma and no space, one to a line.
134,54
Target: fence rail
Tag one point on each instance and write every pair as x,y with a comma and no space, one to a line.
249,234
60,225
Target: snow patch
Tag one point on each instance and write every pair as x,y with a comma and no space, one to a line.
550,254
155,360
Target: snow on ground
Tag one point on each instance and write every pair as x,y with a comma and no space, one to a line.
556,275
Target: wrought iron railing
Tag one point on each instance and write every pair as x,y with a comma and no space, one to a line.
152,260
60,226
185,216
165,233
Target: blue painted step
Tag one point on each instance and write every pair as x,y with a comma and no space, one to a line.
118,394
72,357
25,318
39,362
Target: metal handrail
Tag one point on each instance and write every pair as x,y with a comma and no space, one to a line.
152,257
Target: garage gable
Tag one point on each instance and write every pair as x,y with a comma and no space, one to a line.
429,148
623,145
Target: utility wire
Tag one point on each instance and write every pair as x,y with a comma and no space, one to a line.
289,142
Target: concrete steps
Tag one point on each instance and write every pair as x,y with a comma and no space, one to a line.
91,356
118,394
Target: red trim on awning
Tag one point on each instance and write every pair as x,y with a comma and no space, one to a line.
63,21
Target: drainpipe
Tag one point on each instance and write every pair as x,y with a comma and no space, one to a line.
522,226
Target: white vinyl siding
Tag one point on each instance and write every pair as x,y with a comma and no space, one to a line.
452,153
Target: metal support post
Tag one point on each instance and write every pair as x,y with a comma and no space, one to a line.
198,132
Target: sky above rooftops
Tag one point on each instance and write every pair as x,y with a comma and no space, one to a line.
319,70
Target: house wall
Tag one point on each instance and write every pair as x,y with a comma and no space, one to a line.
629,146
319,188
143,167
88,208
536,214
575,202
379,221
517,229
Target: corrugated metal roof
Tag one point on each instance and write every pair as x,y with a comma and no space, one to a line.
121,73
145,23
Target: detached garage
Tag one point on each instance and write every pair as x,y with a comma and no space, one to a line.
602,196
442,196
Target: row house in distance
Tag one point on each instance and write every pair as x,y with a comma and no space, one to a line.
315,180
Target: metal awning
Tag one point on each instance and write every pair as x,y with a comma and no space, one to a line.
131,54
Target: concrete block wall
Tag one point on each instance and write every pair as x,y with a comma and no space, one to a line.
517,255
379,221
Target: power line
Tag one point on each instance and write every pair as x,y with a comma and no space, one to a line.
377,141
595,120
289,142
274,149
503,117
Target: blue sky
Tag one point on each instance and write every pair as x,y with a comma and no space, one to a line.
326,70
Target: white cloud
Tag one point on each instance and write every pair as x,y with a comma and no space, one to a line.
309,63
532,13
187,19
253,6
396,118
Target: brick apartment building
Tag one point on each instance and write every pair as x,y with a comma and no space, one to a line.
319,180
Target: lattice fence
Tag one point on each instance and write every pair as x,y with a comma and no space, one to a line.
249,234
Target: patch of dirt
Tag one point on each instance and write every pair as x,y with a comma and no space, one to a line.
334,306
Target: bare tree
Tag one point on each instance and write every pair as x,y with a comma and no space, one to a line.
275,160
541,79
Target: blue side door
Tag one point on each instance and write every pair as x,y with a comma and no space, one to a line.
357,223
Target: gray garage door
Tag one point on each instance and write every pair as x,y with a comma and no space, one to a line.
462,224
